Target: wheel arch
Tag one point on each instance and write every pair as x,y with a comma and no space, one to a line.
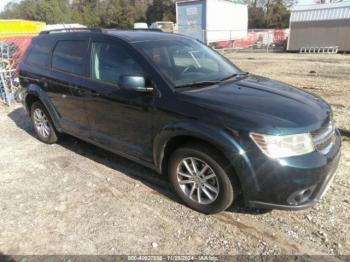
30,99
181,140
227,142
181,133
33,94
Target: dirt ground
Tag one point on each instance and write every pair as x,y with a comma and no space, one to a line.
74,198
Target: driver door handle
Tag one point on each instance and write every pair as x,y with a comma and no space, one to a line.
94,93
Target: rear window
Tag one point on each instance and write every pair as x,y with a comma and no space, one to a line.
39,52
68,56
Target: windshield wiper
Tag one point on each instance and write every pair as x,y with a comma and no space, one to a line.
234,75
209,83
199,84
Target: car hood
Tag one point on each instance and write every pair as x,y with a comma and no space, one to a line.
263,104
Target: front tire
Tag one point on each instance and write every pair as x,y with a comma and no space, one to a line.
198,176
43,125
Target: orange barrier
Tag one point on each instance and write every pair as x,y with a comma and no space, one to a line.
12,49
257,38
15,37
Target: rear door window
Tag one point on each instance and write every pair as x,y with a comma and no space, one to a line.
69,56
39,52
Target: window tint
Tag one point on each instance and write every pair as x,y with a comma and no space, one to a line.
69,56
184,61
186,57
160,57
39,52
110,61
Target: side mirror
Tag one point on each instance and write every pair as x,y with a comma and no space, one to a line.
134,83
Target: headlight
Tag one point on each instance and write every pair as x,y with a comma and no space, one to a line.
284,146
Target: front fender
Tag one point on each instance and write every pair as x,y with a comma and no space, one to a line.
224,140
35,90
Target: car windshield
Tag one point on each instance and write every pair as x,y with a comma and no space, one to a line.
184,61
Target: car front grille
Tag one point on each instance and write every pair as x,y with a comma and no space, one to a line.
324,138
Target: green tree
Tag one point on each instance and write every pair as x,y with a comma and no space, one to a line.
140,10
110,13
161,10
269,13
11,10
256,17
128,15
277,14
49,11
88,12
123,13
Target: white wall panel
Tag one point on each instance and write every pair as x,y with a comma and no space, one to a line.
321,12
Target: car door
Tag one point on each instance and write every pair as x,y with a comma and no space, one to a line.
40,73
119,119
69,72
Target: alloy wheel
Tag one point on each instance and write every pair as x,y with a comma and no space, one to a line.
197,180
41,123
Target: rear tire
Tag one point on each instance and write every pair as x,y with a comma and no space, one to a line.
43,125
202,183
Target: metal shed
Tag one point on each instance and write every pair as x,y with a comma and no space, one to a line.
321,25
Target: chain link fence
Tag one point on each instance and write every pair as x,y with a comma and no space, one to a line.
255,40
12,48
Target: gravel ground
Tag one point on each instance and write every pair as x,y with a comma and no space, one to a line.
74,198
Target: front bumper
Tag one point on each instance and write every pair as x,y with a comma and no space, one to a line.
310,202
291,184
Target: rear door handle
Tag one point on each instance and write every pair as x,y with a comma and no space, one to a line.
94,93
43,81
79,91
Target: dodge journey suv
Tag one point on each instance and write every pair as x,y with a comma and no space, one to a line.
171,103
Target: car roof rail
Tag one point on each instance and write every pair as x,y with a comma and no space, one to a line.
148,29
71,29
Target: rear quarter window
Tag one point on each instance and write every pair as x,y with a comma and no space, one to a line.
69,56
39,52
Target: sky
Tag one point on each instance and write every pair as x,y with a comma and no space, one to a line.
5,2
305,2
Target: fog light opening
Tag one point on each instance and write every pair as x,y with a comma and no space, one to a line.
301,196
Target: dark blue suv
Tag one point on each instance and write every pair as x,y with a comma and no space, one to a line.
173,104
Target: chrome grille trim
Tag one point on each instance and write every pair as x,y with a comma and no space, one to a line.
324,138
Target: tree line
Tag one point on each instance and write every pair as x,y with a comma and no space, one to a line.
269,13
123,13
92,13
